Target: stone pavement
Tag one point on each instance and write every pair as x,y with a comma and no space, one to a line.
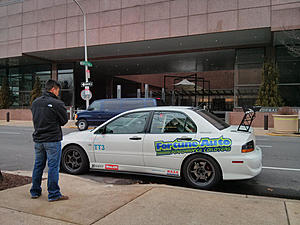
94,203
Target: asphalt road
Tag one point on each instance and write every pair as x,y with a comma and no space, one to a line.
280,176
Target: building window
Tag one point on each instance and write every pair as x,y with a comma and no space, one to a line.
66,79
249,64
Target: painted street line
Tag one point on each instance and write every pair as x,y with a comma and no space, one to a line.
9,133
265,146
278,168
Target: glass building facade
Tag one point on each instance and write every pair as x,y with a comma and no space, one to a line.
21,80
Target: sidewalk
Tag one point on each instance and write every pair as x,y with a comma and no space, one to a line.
94,203
24,123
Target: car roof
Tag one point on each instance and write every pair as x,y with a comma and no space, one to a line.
123,99
161,108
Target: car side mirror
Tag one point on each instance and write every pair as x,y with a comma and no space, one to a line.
90,109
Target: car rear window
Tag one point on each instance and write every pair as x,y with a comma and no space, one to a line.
214,120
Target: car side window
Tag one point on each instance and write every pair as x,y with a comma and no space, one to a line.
172,122
132,123
110,106
95,106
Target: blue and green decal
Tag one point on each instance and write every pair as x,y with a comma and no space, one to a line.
203,145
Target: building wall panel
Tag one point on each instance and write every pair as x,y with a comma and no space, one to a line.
197,7
222,21
253,3
179,8
179,26
157,29
133,32
254,18
197,24
148,19
29,44
108,35
220,6
157,11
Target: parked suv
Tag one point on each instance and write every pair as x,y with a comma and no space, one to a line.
102,110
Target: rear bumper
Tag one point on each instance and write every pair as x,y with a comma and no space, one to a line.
244,166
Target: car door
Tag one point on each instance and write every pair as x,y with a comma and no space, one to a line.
121,141
167,127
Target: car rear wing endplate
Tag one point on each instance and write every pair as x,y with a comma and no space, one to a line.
248,118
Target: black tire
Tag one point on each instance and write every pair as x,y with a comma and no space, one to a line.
82,124
201,171
74,160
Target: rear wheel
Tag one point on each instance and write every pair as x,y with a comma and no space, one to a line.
74,160
201,171
82,124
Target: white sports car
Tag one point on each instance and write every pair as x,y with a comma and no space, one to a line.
171,141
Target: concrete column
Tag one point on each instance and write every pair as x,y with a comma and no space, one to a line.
54,75
235,84
118,91
109,88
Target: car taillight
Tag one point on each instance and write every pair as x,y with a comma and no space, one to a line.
248,147
76,116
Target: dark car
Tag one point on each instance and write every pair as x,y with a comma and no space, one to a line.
102,110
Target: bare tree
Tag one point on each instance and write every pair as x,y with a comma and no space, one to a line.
291,41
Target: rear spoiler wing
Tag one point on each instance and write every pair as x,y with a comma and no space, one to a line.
248,118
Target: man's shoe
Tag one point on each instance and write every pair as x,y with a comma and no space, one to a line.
63,197
35,196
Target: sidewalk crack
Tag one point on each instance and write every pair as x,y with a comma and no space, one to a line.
122,206
287,214
17,210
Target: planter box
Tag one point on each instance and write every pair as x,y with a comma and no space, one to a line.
285,123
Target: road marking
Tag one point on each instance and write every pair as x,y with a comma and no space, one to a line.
265,146
262,139
278,168
9,133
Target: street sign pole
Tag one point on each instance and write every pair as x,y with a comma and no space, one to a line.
85,47
85,58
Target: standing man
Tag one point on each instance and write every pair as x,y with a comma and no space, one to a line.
49,114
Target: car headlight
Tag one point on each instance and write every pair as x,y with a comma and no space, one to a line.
248,147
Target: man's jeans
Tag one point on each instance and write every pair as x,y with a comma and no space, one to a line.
52,152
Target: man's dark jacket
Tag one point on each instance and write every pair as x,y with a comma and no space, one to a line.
49,114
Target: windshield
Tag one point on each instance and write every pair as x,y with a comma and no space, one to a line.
214,120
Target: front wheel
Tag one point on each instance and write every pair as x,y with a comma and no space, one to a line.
200,171
74,160
82,124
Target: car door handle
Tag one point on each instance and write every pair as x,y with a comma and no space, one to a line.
135,138
185,139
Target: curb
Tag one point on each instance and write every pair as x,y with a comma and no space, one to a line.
283,135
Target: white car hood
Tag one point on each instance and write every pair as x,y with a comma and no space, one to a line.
77,136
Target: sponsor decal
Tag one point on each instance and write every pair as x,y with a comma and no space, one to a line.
111,167
173,172
97,166
99,147
203,145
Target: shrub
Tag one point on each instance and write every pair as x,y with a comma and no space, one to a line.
36,91
268,94
5,95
